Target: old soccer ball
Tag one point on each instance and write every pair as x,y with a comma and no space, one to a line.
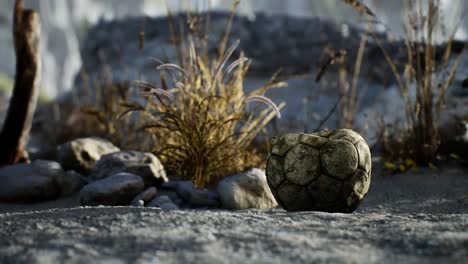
328,171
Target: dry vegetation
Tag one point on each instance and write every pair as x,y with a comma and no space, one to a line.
92,112
203,122
428,78
349,88
203,126
198,120
423,75
104,102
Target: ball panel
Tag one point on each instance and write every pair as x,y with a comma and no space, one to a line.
274,191
302,164
294,197
356,188
325,191
313,140
325,133
365,160
346,134
274,171
284,143
360,182
339,159
352,203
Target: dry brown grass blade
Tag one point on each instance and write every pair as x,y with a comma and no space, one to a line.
273,83
360,7
445,86
330,61
224,41
388,58
128,111
448,49
96,113
351,98
172,29
330,113
266,101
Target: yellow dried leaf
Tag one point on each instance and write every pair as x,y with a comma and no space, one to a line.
432,166
410,163
402,168
389,165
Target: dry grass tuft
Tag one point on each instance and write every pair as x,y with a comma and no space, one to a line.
200,114
428,77
102,101
424,74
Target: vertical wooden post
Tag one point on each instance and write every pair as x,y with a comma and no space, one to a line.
15,132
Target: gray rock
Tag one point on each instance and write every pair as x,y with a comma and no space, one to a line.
246,190
145,165
170,185
39,181
118,189
163,202
256,36
146,196
169,206
73,182
172,194
177,200
156,202
197,197
82,154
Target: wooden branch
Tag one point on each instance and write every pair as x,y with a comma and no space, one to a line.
15,132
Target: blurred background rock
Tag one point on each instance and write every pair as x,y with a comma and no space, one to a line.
65,23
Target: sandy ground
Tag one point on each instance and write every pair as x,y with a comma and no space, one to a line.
409,218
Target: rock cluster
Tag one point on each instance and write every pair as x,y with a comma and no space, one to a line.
98,173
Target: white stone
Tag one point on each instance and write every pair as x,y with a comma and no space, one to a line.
82,154
246,190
